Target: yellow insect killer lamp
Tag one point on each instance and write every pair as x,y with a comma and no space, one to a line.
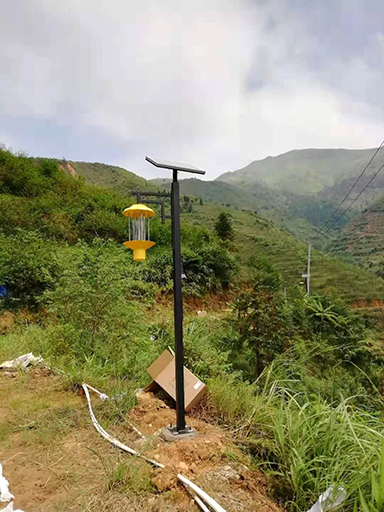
139,217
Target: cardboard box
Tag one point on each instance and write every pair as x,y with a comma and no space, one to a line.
162,372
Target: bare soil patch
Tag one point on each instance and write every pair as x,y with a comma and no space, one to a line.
56,461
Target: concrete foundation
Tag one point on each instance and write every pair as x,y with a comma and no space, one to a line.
170,434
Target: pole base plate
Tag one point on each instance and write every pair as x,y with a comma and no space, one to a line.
171,433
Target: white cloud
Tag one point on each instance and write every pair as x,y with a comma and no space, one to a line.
171,78
307,116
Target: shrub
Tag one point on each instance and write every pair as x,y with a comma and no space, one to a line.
21,175
223,226
29,265
94,317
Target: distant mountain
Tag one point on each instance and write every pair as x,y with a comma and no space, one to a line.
160,182
297,214
306,171
218,192
374,191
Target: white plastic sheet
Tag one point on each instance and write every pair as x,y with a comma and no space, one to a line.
9,508
5,495
21,362
329,500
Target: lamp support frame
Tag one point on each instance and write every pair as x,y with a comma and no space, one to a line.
180,428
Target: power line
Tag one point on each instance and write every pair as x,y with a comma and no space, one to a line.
354,201
350,190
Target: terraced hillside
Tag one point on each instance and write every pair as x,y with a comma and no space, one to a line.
362,240
256,236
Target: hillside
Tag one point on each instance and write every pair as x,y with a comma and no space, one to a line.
216,192
298,214
262,238
306,171
362,240
374,191
109,176
60,206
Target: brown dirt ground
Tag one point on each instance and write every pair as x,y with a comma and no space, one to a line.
56,461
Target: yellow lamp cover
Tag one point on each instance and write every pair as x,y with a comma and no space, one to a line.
139,248
138,210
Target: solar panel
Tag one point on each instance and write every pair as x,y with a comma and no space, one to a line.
176,166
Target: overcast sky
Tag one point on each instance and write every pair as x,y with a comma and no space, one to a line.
216,83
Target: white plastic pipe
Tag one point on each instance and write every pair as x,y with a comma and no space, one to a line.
111,439
201,504
200,494
103,397
5,494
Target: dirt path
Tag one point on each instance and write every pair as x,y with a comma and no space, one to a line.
56,461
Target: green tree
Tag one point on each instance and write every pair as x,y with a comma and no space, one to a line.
265,325
223,226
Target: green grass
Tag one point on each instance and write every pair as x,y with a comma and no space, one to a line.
132,477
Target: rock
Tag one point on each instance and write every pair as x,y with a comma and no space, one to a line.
183,466
164,480
244,472
227,473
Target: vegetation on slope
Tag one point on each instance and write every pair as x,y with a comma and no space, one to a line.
109,176
258,236
42,211
295,377
374,191
362,240
299,214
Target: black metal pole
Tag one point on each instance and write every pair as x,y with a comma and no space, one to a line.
178,305
162,212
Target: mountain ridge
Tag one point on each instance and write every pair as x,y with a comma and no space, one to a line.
303,171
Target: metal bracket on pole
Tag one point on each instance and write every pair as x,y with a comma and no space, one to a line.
139,196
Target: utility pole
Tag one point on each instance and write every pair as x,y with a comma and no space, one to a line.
309,268
307,276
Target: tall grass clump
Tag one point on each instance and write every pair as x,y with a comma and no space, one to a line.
303,441
376,503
